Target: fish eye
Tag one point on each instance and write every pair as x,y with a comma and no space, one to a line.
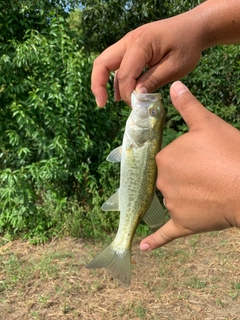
153,111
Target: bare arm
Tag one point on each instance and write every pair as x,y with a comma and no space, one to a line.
171,48
222,22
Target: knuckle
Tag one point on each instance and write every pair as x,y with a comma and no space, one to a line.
162,157
160,163
121,75
97,61
158,157
161,184
154,81
188,100
93,88
166,238
137,35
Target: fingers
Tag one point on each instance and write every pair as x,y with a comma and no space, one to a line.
164,71
118,57
193,112
129,71
164,235
108,61
100,76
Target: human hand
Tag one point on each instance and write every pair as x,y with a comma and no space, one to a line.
198,174
170,48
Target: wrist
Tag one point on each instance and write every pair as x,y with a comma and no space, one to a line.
220,22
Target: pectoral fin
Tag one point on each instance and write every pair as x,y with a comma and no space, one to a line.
155,216
112,204
115,155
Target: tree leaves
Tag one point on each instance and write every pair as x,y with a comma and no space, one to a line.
51,132
53,138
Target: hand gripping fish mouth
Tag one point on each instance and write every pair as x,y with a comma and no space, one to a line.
136,197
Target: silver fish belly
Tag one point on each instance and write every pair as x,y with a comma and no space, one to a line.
136,198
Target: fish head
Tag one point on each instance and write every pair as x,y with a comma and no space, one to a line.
147,117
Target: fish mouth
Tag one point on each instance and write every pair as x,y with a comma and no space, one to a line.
147,97
140,103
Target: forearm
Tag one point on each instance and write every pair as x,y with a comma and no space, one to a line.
221,22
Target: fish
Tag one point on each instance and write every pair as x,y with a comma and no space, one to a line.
136,197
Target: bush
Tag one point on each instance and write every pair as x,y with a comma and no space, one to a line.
216,83
54,140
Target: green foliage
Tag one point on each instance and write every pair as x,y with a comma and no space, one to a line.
53,139
103,22
51,131
75,24
216,83
179,6
18,16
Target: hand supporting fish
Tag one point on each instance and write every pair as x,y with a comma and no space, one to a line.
136,197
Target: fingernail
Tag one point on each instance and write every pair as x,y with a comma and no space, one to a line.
179,88
141,90
145,246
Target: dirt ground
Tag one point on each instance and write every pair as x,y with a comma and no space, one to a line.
191,278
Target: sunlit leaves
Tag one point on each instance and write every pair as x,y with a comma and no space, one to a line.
53,138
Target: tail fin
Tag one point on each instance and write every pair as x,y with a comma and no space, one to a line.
118,264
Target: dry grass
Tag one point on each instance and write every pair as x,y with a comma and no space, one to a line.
192,278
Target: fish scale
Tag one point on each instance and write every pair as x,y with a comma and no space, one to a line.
136,197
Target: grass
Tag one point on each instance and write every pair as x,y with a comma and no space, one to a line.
194,282
191,278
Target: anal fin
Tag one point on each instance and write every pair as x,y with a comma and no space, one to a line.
112,204
155,216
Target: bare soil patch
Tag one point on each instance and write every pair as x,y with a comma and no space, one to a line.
197,277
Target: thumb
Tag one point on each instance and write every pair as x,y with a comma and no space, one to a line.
192,111
167,233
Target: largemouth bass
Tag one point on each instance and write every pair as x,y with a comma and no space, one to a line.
136,197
